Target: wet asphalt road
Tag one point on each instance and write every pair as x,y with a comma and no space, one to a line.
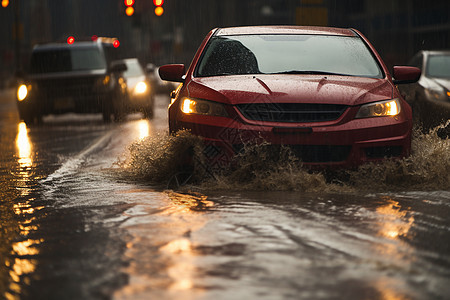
72,229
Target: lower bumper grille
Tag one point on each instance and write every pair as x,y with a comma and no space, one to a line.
382,152
312,153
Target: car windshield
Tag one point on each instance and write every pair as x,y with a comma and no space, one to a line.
438,66
133,69
66,60
288,54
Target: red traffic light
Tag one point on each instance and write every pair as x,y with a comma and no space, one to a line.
116,43
158,2
128,2
70,40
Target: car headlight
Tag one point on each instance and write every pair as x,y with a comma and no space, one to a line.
435,93
203,107
103,81
22,92
140,88
379,109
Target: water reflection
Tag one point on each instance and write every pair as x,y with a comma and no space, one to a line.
394,223
388,289
24,147
186,203
183,271
187,208
25,248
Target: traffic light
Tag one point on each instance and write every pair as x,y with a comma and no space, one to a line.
5,3
129,11
159,10
70,40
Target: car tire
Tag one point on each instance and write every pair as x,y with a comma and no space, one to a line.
107,111
148,112
106,116
119,111
28,119
30,115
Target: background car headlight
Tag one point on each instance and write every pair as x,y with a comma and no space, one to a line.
22,92
140,88
203,107
379,109
103,81
435,93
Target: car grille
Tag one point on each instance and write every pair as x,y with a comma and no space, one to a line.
76,88
291,112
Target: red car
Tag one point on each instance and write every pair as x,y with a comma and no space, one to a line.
324,92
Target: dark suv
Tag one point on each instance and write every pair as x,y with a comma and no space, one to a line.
83,77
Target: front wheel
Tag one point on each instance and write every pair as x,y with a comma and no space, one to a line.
30,115
149,110
119,112
107,111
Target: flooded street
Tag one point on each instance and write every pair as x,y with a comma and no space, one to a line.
79,221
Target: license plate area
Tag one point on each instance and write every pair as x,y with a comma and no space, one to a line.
64,103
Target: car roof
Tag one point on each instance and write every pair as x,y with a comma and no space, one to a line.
55,46
314,30
130,59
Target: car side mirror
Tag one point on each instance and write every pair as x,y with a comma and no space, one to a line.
403,74
118,67
174,72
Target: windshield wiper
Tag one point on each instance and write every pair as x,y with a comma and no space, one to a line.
310,72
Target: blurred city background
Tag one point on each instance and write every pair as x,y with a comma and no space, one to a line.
397,28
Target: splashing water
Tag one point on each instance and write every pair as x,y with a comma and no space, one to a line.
264,167
426,168
157,158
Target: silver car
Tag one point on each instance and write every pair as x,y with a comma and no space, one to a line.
140,91
430,96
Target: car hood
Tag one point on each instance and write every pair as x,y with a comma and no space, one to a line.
239,89
443,82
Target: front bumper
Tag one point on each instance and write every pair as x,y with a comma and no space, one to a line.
139,102
344,143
